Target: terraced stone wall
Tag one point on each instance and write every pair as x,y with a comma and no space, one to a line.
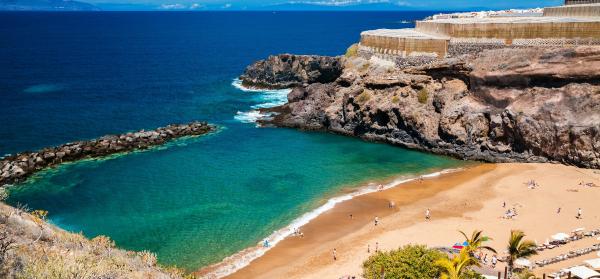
404,46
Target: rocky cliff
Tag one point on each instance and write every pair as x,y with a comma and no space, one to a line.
286,70
502,105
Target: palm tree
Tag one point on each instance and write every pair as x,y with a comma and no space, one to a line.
454,268
475,242
519,248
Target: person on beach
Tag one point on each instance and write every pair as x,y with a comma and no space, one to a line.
334,254
427,214
494,261
503,204
368,248
376,247
266,243
485,259
376,220
558,211
579,213
380,187
351,217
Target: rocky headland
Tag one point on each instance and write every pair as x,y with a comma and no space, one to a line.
17,168
286,71
498,105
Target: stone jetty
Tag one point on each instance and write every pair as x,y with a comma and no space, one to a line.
17,168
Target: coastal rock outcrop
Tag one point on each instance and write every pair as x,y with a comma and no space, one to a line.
500,105
18,167
286,70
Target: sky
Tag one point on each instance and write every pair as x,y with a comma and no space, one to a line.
392,5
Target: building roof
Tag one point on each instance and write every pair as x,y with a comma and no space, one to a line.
536,19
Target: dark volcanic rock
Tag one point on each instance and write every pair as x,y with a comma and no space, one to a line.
286,71
20,166
502,105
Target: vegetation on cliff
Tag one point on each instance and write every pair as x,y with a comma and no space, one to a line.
31,248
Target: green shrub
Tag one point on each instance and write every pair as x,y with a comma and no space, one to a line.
365,67
352,51
408,262
364,97
422,96
395,100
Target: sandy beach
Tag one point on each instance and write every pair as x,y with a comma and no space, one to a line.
465,200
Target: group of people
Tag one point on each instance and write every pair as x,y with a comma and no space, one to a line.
297,232
510,213
484,259
376,247
532,184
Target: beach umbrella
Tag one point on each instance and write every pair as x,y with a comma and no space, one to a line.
560,236
457,246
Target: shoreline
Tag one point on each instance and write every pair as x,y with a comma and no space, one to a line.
465,200
232,264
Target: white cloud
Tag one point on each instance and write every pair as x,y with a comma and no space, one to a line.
195,6
176,6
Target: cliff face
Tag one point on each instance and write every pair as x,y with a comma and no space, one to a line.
286,70
503,105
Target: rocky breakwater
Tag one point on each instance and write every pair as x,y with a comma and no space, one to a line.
286,71
500,105
18,167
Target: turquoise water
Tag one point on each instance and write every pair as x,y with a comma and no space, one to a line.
205,199
198,200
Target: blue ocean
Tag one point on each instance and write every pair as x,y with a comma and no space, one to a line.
73,76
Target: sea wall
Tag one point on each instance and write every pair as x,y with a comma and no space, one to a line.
511,31
18,167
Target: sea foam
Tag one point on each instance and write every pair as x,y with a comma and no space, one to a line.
266,98
243,258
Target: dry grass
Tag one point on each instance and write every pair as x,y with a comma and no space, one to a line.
422,96
364,97
352,51
40,250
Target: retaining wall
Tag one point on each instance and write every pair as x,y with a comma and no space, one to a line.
510,31
404,46
573,11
